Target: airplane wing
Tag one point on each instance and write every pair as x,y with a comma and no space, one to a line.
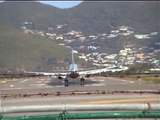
49,73
81,72
74,72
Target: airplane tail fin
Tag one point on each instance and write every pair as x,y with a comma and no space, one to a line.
73,67
72,56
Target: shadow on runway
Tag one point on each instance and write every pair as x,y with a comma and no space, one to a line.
71,82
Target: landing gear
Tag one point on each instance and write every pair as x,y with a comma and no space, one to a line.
82,81
60,77
66,83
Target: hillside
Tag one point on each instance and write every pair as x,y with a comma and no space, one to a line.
15,13
19,50
89,17
30,33
104,16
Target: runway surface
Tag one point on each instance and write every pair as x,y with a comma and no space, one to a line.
48,84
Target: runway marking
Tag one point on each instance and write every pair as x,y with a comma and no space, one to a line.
45,81
48,86
11,86
116,83
97,80
128,81
3,82
24,81
98,84
7,80
124,101
37,85
131,82
60,86
93,80
39,81
101,80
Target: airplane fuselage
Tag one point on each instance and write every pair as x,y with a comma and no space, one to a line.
73,75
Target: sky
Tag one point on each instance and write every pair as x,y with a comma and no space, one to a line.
62,4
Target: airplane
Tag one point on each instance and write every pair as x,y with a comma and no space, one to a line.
73,71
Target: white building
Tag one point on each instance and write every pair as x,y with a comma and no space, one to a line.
139,36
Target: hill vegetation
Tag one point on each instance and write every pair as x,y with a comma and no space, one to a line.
89,17
19,50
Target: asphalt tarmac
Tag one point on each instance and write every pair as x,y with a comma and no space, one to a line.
50,84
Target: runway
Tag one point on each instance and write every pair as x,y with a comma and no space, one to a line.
48,84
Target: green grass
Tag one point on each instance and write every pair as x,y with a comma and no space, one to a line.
153,79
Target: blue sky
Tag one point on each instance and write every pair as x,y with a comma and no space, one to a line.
62,4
